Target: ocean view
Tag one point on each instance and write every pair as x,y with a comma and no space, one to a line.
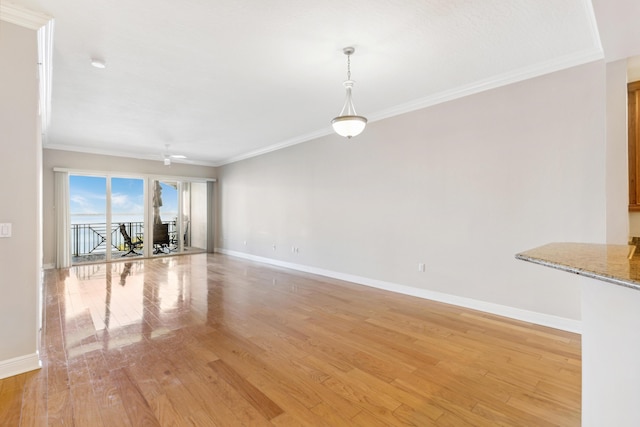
116,218
101,219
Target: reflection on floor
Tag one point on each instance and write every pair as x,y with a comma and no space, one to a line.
210,340
119,255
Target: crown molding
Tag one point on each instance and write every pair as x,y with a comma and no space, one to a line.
593,26
14,14
279,146
107,152
515,76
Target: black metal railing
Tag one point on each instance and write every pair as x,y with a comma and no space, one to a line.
91,238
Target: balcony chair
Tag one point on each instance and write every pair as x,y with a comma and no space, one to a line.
127,241
161,238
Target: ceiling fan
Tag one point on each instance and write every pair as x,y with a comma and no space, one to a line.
167,156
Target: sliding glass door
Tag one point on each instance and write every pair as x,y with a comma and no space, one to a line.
179,217
194,216
127,217
115,217
88,214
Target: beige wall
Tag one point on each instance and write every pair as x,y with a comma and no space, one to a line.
93,162
461,186
20,255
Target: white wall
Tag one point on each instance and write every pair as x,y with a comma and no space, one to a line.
94,162
461,186
20,183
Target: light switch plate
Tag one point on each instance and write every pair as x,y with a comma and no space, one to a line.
5,229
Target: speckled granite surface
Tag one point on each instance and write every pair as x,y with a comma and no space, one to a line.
617,264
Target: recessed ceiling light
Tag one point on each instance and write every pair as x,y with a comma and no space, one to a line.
98,63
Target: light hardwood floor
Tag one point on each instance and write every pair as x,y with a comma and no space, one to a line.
210,340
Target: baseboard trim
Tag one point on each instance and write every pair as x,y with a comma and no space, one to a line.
556,322
19,365
48,266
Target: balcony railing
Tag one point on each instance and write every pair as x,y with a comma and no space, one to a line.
89,239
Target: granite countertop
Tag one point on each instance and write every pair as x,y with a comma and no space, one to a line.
617,264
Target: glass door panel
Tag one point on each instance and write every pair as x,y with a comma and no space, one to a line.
195,216
127,217
164,202
88,213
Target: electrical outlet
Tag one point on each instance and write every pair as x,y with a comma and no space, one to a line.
274,246
5,230
421,267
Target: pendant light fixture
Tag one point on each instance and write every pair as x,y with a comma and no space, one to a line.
348,123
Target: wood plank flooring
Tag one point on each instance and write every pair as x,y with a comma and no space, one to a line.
211,340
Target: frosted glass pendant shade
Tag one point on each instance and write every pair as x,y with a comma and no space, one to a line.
348,123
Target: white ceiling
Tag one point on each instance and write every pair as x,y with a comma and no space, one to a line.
226,79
